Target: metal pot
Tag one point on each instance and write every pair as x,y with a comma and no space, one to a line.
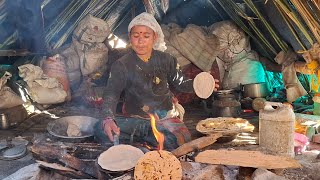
255,90
225,104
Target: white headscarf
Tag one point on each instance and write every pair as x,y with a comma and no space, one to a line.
148,20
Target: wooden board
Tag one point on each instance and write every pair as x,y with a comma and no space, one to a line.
196,144
254,159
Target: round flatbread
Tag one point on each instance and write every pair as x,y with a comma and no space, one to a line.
73,130
203,85
119,158
224,125
160,165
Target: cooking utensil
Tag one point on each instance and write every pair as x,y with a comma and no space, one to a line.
225,104
58,128
255,90
5,124
115,140
12,149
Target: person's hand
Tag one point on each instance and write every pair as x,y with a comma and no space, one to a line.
216,85
109,127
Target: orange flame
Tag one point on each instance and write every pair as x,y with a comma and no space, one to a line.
158,135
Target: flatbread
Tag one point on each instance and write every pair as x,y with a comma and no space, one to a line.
73,130
161,165
224,125
119,158
203,85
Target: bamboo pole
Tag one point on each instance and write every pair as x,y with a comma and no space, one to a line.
285,18
308,18
294,17
228,6
273,34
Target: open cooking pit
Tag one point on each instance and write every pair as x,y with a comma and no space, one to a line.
81,158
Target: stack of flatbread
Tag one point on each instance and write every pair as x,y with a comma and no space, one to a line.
224,125
160,165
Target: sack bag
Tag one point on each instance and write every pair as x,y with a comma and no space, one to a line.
92,56
8,98
71,58
196,45
41,88
44,95
245,71
91,30
232,40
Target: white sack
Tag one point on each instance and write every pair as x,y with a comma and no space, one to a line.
92,56
8,98
91,30
41,88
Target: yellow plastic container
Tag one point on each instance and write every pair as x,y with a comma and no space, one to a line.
276,129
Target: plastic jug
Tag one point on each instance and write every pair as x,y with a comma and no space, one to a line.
276,129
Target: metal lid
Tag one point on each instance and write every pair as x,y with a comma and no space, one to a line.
12,149
14,153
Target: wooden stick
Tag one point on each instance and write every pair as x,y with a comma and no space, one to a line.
199,143
50,153
254,159
63,170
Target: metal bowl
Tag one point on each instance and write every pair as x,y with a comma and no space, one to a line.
58,128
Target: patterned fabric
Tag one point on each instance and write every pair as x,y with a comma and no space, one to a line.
148,20
138,130
178,128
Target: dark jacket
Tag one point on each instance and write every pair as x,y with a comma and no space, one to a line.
146,85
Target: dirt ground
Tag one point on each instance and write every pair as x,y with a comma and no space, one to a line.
36,124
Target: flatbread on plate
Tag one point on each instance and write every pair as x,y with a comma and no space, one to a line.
120,158
203,85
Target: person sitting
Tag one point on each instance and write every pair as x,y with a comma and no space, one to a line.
145,75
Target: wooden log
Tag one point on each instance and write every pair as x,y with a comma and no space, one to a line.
196,144
254,159
55,154
63,170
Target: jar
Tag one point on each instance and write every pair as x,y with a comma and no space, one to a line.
276,129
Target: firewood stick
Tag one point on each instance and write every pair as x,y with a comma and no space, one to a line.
63,170
199,143
58,154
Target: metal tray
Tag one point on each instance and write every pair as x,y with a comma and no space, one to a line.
58,128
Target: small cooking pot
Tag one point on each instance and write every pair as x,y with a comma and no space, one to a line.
254,90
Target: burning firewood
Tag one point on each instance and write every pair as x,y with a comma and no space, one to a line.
158,165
